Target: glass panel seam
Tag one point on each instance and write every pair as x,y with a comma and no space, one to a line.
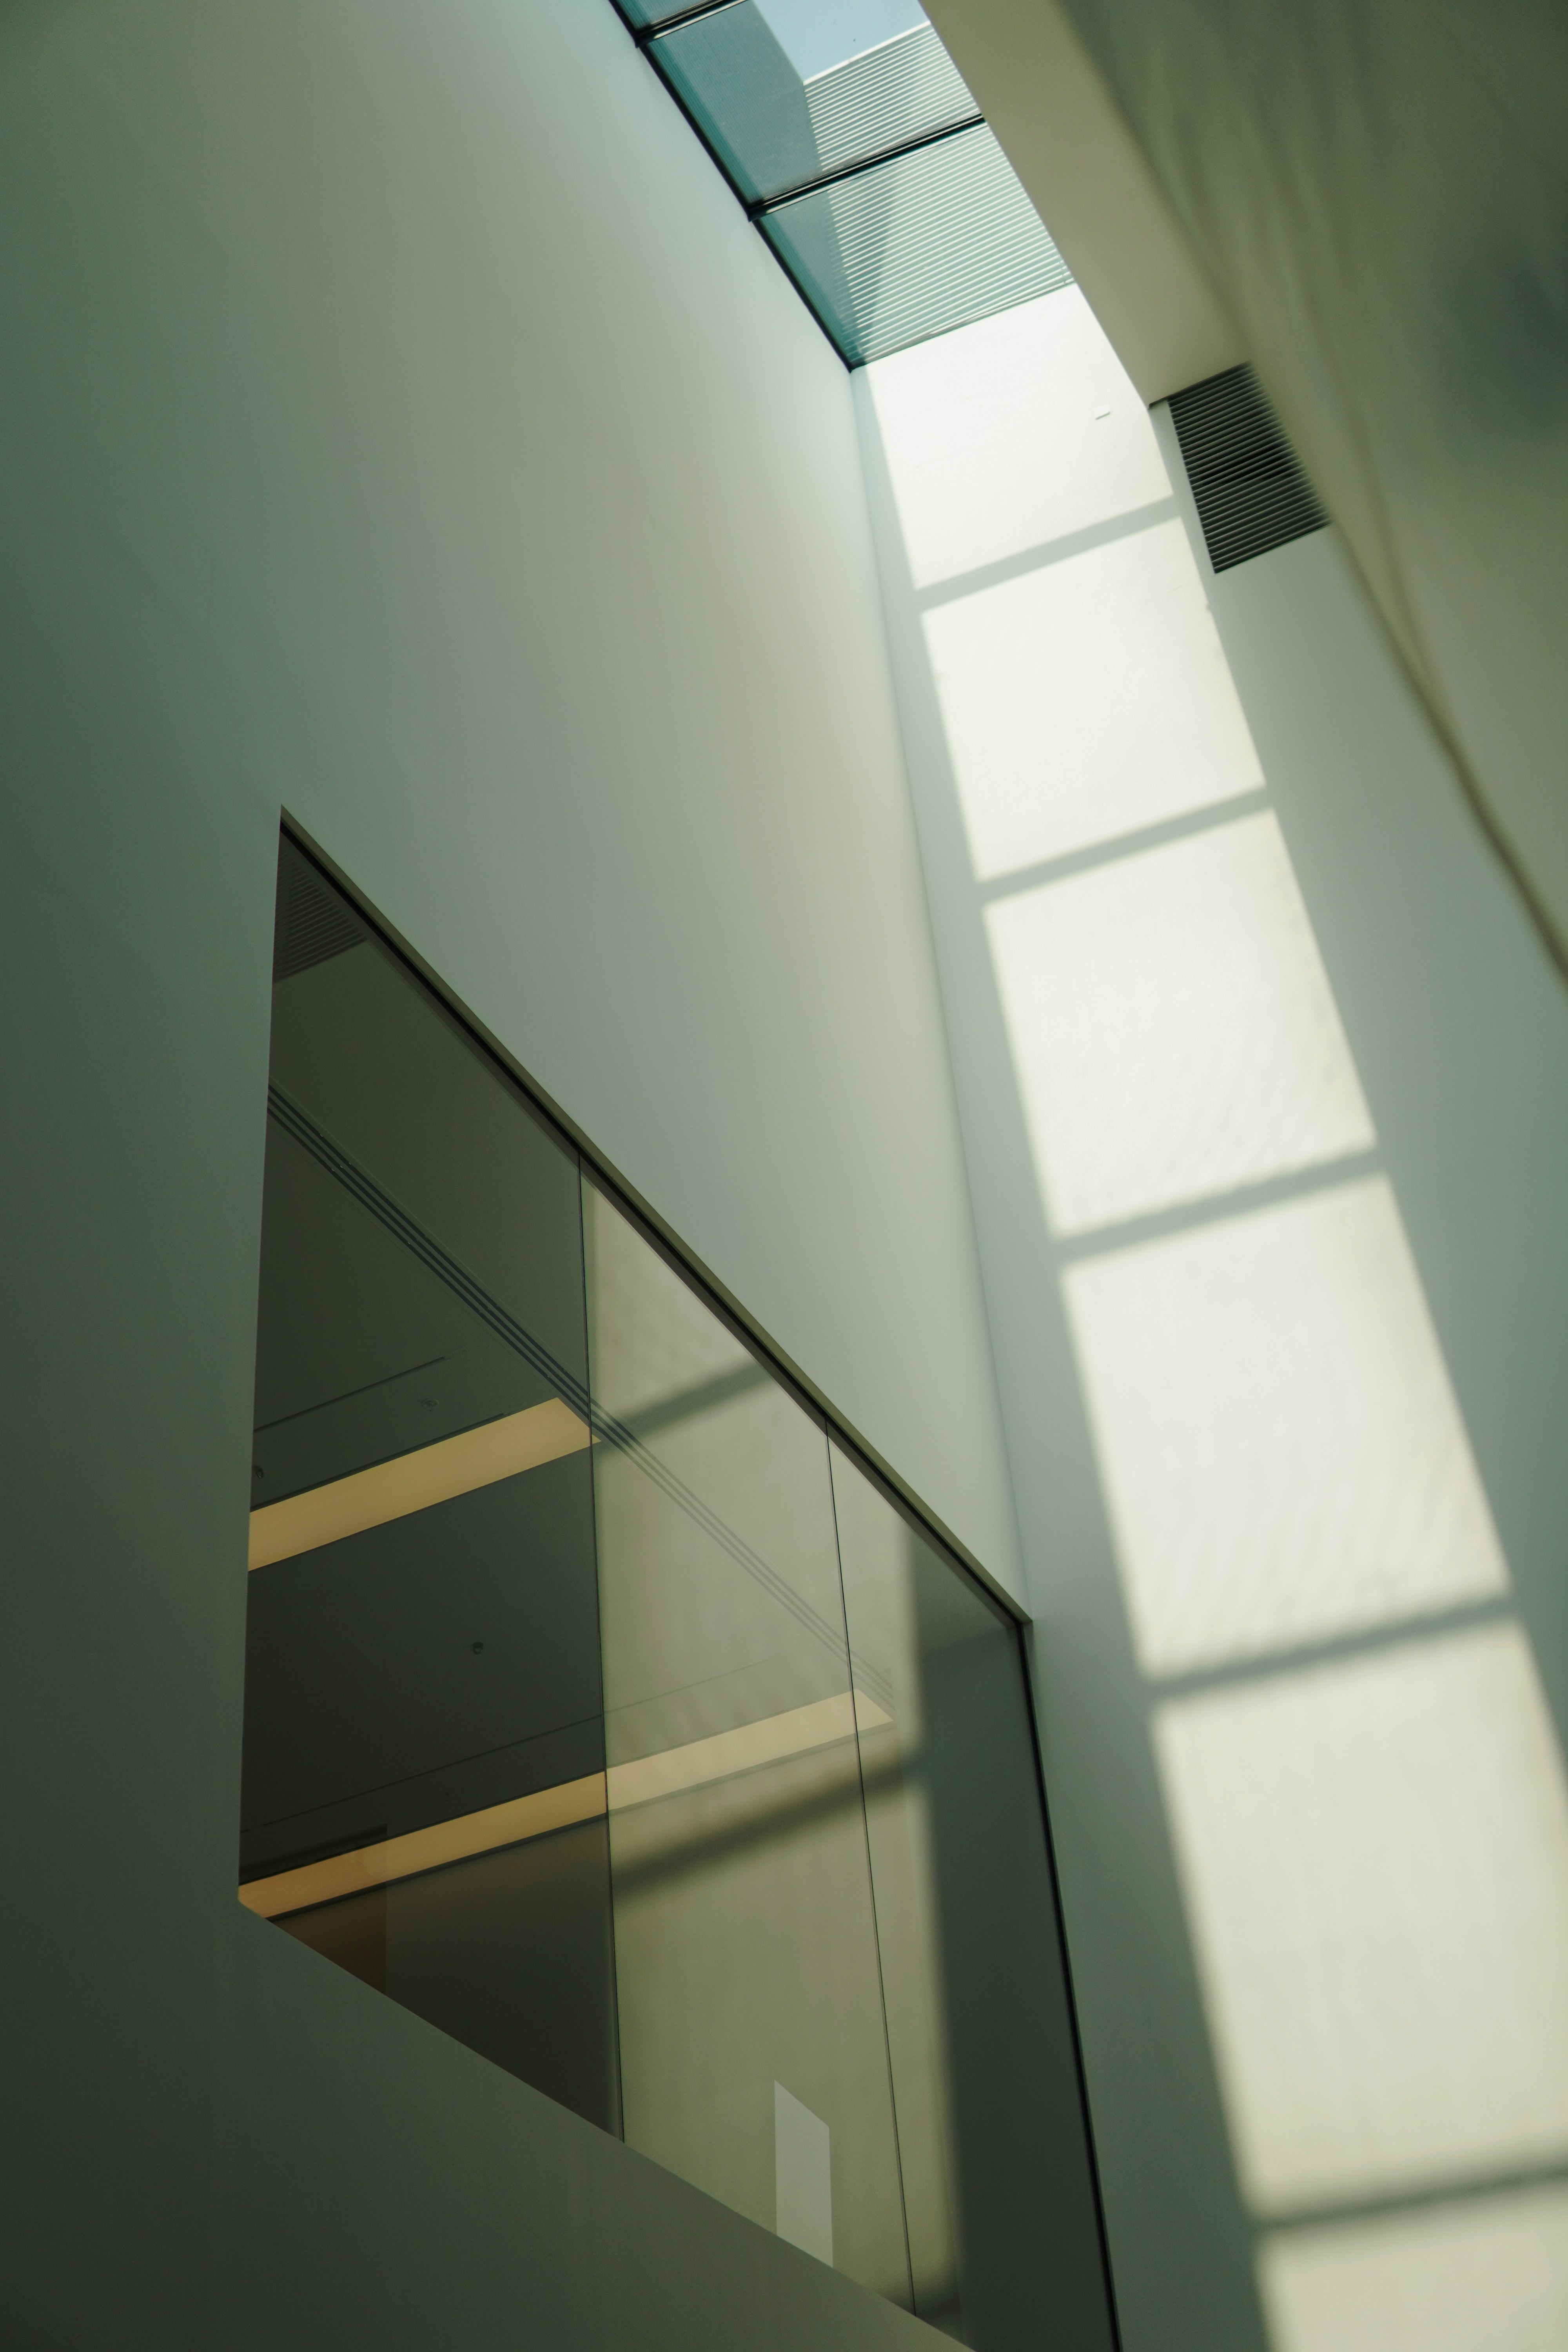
594,1165
758,206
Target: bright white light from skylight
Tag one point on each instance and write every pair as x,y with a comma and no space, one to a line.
1084,699
1280,1447
1375,1861
1172,1029
1477,2276
995,443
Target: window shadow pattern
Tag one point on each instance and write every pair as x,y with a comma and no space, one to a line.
604,1713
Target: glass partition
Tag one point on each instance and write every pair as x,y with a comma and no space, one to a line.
753,2053
998,2189
600,1711
423,1790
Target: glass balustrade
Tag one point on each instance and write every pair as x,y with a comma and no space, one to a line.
600,1710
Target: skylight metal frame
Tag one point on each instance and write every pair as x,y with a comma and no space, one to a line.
646,38
643,34
757,205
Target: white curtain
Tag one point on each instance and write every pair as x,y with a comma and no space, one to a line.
1379,191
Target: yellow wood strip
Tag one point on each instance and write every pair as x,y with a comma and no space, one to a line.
416,1849
741,1749
434,1473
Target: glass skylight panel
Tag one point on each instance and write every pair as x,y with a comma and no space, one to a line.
925,242
853,141
887,95
817,34
775,130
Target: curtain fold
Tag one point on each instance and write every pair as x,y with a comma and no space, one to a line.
1378,190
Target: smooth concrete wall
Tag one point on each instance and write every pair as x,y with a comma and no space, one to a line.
1013,462
403,427
427,368
1375,195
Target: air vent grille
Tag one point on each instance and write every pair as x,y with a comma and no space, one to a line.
1247,481
312,923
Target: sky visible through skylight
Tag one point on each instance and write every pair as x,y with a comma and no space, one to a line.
857,147
817,35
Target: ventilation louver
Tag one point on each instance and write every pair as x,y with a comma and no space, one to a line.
312,921
1247,482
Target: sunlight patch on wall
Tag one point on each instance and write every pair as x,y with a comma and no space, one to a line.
1374,1862
1489,2274
1372,1848
1086,699
1279,1442
1011,435
1172,1028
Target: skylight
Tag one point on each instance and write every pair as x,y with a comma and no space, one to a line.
848,134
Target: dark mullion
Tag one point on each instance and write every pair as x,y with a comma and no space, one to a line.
648,49
643,34
757,205
711,8
851,357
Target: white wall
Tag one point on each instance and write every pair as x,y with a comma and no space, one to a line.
1373,192
402,426
1264,1082
430,375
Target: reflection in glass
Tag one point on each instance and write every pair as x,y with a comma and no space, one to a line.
997,2180
745,1944
424,1745
1464,2274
